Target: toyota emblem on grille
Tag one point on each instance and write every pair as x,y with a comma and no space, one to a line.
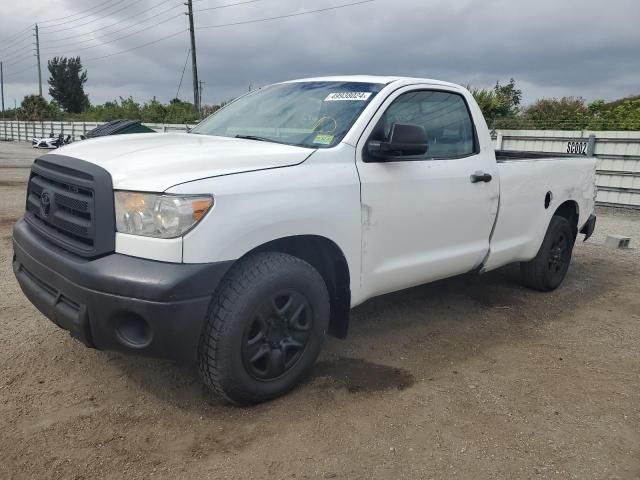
45,204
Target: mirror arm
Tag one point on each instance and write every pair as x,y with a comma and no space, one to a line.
375,146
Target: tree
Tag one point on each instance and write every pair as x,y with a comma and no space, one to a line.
567,113
129,109
180,112
510,97
35,108
66,83
153,111
500,105
209,109
622,114
491,105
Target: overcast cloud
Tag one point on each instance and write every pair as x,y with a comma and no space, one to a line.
587,48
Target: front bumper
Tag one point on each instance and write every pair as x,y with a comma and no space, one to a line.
117,302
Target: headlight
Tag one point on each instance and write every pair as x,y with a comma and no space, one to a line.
159,215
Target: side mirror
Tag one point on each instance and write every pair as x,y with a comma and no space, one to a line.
404,140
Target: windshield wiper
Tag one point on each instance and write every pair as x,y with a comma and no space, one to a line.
271,140
254,137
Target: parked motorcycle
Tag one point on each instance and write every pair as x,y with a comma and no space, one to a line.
51,142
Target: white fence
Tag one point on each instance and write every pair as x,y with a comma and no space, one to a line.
25,131
618,154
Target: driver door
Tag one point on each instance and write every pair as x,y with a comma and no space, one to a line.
422,217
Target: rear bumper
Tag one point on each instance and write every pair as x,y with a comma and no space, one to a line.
117,302
589,227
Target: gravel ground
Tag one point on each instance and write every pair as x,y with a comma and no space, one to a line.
472,377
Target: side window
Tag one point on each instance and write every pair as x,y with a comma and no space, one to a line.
444,116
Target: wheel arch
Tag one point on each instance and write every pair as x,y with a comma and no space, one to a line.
326,257
571,211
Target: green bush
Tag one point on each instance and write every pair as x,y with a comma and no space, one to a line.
36,108
500,106
501,109
176,111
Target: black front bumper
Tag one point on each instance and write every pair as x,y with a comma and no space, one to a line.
117,302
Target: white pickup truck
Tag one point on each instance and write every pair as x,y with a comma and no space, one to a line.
239,245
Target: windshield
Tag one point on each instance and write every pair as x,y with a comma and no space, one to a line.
307,114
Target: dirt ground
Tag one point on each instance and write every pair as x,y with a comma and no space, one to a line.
473,377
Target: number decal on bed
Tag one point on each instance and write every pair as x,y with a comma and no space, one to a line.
577,148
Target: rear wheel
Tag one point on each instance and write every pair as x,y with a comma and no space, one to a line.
549,267
265,328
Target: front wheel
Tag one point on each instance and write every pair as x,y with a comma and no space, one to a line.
549,267
265,328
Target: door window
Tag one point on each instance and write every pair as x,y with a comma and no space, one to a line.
444,116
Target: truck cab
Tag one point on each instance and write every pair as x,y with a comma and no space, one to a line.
239,245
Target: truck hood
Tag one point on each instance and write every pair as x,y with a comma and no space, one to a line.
155,162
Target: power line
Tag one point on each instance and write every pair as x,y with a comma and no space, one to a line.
308,12
91,15
17,33
77,13
26,50
94,20
20,71
174,34
67,17
28,29
57,49
114,24
186,60
227,5
17,41
19,54
107,34
138,46
19,62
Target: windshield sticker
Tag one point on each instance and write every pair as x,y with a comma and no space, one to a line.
348,97
323,139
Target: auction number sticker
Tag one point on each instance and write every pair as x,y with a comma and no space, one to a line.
348,97
577,148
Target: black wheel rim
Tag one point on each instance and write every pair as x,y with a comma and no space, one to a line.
559,255
277,334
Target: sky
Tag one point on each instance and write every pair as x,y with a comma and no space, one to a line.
553,48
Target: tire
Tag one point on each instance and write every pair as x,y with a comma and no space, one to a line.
265,328
549,267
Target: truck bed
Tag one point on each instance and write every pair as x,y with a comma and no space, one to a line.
532,186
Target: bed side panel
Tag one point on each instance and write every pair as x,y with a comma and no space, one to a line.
522,217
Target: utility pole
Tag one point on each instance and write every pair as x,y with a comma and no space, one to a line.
38,57
200,88
194,64
2,88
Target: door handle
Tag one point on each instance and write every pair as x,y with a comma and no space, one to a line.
481,177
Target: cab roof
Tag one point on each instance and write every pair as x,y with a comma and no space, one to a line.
384,80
